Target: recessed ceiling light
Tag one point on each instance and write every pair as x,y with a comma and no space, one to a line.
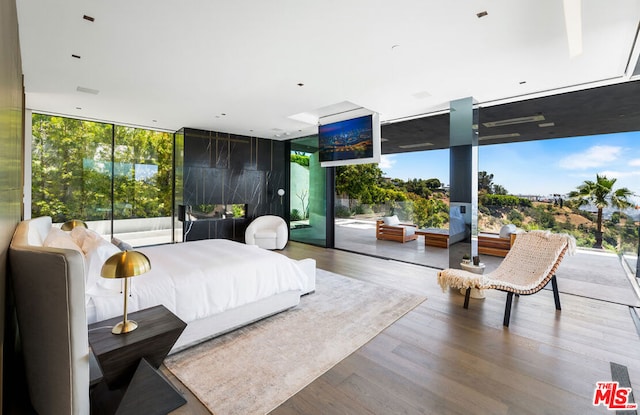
523,82
300,84
482,14
416,145
87,90
89,18
75,56
547,124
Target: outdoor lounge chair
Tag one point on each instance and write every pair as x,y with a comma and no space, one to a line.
528,267
390,229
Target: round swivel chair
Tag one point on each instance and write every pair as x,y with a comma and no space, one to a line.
268,232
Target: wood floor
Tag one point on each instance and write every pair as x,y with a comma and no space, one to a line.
443,359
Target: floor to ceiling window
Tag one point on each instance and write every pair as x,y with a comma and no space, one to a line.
118,179
308,201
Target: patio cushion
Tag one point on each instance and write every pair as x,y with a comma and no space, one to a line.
507,230
409,230
391,220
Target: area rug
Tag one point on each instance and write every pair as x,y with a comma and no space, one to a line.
255,369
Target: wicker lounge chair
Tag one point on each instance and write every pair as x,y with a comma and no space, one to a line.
528,267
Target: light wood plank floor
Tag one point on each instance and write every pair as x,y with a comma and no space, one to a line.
443,359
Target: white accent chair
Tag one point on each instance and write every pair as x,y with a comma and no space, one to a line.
268,232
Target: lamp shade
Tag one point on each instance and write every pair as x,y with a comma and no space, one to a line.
125,264
69,225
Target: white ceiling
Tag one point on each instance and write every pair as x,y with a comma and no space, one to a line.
172,64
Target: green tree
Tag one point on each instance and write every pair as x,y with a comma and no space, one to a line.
429,213
499,190
601,194
485,182
356,181
72,165
419,187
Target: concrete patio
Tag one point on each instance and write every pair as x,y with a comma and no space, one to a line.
589,273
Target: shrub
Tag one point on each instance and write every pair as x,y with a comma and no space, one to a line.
295,214
515,216
503,200
300,159
342,212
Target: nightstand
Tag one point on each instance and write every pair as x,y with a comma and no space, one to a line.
129,361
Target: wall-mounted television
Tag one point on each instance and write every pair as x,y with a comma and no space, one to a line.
355,140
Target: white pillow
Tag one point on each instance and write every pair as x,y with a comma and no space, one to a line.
90,241
391,220
57,238
97,251
79,234
507,230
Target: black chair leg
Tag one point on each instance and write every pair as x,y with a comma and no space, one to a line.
467,294
507,310
556,294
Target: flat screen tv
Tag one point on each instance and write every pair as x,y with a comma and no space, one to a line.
350,141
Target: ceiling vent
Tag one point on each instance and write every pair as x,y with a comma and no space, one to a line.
499,136
87,90
416,145
513,121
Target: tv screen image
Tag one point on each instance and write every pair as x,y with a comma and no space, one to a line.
346,140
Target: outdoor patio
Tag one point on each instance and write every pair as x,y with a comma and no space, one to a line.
589,273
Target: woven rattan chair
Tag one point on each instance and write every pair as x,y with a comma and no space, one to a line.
528,267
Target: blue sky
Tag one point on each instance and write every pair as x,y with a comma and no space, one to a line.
542,167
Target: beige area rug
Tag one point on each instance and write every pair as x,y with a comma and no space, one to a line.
255,369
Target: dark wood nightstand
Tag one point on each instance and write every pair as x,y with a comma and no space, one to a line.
129,361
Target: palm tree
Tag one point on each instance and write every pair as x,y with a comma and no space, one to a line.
601,194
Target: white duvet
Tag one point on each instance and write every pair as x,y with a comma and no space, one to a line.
198,279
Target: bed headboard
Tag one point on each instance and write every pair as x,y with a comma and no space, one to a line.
48,285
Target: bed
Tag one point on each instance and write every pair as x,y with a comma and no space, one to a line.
58,292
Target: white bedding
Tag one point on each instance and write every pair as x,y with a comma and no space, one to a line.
198,279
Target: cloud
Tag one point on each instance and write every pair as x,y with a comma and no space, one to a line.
386,161
619,174
595,156
634,162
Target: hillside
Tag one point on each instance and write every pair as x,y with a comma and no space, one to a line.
620,232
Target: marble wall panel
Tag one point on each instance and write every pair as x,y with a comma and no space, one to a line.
233,169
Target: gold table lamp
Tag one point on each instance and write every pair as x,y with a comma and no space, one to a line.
125,264
70,224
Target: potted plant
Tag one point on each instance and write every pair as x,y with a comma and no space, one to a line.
466,259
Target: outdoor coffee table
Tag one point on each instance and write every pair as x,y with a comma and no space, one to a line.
435,237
